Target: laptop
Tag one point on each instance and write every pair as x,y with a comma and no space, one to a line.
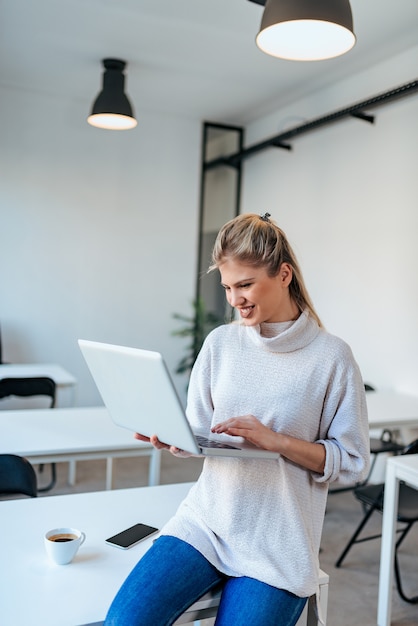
139,395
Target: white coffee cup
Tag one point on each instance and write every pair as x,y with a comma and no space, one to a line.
61,544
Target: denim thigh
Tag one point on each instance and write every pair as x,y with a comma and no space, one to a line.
170,577
250,602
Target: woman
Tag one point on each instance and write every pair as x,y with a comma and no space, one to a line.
280,381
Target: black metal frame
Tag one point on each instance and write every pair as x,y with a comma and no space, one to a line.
204,167
355,110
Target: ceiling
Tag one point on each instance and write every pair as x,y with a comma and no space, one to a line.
194,58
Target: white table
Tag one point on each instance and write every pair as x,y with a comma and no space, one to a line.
72,434
38,593
34,591
395,411
392,409
399,468
64,381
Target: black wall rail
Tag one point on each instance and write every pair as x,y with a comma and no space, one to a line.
281,140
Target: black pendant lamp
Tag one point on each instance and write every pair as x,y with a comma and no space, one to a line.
112,109
306,30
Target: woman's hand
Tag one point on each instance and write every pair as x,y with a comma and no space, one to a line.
251,429
309,455
159,445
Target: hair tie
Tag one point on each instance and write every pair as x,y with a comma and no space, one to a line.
265,217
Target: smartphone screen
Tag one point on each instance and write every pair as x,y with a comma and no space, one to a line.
131,536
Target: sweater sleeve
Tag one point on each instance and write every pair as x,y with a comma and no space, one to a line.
344,429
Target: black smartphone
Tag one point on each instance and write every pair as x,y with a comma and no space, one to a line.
131,536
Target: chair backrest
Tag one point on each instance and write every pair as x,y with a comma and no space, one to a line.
368,387
411,448
17,476
25,387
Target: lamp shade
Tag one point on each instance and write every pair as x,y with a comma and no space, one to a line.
306,30
111,109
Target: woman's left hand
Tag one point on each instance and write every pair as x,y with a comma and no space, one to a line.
251,429
309,455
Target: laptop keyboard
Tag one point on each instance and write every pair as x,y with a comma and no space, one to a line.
204,442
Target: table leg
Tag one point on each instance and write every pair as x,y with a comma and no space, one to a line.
109,473
71,473
154,468
387,553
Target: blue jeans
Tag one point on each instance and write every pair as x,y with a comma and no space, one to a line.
172,575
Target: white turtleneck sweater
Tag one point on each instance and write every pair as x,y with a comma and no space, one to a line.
263,518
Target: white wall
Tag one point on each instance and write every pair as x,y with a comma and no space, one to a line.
99,229
98,232
347,198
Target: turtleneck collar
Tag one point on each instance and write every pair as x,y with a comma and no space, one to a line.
285,336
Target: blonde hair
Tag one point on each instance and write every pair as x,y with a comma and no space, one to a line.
257,240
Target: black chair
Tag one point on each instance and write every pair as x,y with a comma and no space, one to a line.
17,476
28,387
384,444
368,387
372,496
25,387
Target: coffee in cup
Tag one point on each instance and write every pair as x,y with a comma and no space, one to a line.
62,538
62,544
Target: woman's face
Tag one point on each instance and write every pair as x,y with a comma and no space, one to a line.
257,296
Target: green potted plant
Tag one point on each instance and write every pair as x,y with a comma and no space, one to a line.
198,326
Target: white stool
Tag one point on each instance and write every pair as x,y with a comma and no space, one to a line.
207,607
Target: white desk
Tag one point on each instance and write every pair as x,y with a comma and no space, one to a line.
72,434
392,409
25,370
38,593
65,381
403,468
34,591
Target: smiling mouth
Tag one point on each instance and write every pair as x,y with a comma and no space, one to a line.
246,311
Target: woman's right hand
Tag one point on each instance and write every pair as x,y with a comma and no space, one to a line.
159,445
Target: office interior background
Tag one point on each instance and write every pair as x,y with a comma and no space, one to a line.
99,229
